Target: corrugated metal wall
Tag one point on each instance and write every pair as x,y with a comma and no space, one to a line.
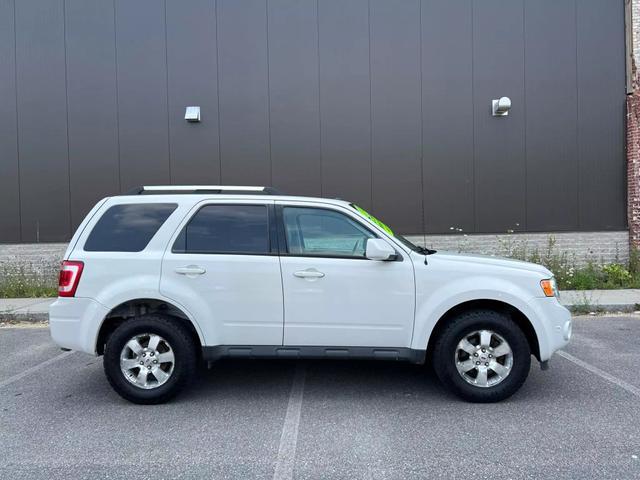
384,102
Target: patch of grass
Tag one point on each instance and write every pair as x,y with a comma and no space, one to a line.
585,307
19,284
589,277
602,277
11,290
592,276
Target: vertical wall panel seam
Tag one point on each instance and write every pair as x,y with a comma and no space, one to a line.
115,47
370,109
473,122
579,221
423,221
66,96
319,99
214,4
166,67
266,3
524,115
217,25
15,87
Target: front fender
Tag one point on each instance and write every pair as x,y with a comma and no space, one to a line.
433,305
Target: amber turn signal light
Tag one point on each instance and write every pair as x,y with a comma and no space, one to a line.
548,287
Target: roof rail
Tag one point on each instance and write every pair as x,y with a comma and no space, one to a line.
202,189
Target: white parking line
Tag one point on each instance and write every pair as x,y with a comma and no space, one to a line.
601,373
289,437
33,369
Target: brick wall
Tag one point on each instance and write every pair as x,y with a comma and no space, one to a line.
43,259
633,137
580,247
633,167
35,260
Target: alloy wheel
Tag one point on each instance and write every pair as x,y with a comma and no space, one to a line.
483,358
147,361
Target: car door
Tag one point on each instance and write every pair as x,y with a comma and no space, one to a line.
333,295
222,265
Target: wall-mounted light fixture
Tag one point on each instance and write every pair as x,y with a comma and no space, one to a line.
501,106
192,114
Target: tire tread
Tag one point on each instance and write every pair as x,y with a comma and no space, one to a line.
466,322
181,340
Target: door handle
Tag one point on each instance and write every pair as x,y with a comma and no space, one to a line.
309,273
190,270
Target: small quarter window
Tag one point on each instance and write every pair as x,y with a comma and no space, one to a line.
230,229
128,228
324,233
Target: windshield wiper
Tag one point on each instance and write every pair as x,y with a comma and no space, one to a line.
426,251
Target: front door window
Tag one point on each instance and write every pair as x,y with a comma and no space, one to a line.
324,233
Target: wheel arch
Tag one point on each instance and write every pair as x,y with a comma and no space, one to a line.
487,304
132,308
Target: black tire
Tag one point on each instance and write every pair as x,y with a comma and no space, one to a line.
184,351
458,327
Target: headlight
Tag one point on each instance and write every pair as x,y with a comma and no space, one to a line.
549,287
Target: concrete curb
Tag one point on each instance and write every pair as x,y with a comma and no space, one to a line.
37,317
25,310
601,301
13,318
585,302
615,308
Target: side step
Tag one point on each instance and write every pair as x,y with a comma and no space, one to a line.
278,351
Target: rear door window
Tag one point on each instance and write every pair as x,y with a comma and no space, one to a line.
226,229
128,228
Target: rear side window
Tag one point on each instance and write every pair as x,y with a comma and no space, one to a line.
231,229
128,228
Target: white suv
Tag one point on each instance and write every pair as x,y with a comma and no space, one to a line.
166,277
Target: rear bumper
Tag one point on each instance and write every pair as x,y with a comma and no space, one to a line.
75,322
556,324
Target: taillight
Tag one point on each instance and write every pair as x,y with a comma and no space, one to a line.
69,278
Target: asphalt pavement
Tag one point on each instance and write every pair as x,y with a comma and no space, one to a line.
323,419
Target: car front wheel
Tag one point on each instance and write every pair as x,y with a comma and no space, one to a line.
482,356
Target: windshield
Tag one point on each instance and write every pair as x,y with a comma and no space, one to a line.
406,242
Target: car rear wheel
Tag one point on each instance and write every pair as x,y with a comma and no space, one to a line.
482,356
149,359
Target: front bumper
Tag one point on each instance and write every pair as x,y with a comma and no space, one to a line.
74,323
555,321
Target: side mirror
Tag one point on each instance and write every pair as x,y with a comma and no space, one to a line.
378,249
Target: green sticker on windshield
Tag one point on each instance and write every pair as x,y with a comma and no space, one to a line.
372,219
